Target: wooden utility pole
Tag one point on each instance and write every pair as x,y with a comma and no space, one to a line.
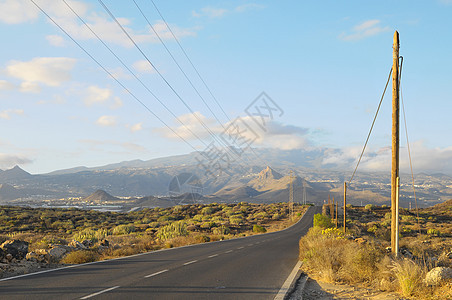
345,203
336,212
291,196
332,208
395,141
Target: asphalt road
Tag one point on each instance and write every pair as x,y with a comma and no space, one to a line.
247,268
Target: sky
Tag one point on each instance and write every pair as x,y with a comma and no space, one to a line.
324,64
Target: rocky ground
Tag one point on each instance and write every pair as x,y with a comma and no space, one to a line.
318,290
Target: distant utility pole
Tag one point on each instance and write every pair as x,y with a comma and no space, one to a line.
345,204
291,195
304,193
337,206
395,144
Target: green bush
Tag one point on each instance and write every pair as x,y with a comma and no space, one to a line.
369,206
259,229
123,229
322,221
172,230
434,232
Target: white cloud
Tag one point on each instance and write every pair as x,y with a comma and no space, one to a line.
210,12
136,127
6,85
10,160
117,103
192,125
56,40
51,71
107,121
20,11
364,30
143,66
277,135
30,87
6,114
423,158
17,11
248,6
96,95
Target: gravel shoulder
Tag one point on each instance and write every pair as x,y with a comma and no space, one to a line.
317,290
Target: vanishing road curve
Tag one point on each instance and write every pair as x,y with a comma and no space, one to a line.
254,267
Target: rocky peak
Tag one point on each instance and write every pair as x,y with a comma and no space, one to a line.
269,173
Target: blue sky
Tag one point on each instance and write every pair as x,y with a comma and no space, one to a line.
324,63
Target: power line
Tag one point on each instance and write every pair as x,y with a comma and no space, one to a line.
408,144
185,74
371,127
190,61
111,75
133,73
177,64
161,76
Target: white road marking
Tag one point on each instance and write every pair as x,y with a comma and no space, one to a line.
190,262
250,245
101,292
156,273
240,247
229,251
213,255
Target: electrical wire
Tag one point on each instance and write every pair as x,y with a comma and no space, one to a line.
408,144
196,70
371,127
111,75
163,77
190,61
133,74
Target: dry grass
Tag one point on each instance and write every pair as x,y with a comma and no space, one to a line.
409,277
80,257
330,257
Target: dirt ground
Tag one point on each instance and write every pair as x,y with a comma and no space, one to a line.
318,290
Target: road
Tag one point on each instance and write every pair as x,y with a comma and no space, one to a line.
246,268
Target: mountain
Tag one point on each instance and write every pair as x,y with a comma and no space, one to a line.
8,192
241,179
100,196
14,174
237,193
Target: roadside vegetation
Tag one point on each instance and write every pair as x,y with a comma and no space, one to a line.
362,255
85,236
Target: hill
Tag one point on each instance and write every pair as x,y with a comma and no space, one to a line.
100,196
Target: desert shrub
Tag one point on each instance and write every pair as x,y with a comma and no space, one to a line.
433,232
333,233
80,257
322,221
259,229
383,233
207,210
409,276
333,257
277,216
123,229
221,230
369,206
172,230
236,219
85,234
